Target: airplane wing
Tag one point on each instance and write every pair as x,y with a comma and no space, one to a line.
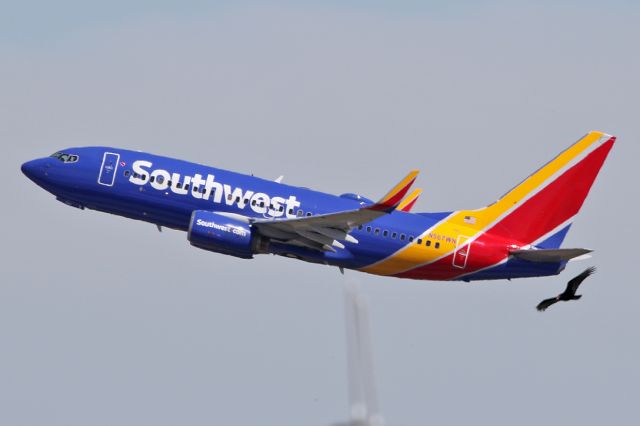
323,232
407,204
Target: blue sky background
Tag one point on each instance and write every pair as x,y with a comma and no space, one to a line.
105,321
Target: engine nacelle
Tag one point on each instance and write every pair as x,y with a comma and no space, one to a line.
221,234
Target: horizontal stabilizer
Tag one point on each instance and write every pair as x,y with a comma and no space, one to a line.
549,255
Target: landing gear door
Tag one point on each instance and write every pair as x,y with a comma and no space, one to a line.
108,168
461,255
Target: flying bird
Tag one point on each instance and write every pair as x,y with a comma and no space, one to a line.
570,292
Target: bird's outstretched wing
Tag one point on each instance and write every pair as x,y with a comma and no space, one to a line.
574,283
542,306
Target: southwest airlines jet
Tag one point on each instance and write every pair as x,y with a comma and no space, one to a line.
519,235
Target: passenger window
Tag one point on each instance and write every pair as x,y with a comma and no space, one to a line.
308,213
360,227
393,235
411,238
402,237
385,233
368,229
152,179
127,173
290,211
160,179
437,245
428,243
377,231
186,187
419,240
300,213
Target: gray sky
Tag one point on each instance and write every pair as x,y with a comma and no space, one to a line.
105,321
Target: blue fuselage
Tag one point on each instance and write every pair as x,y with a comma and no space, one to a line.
166,191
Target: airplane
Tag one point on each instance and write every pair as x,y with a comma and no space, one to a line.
517,236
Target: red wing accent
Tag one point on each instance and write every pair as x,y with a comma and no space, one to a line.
409,206
391,200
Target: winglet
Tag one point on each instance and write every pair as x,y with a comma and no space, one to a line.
393,198
407,204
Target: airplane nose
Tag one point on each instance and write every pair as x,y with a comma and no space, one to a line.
33,169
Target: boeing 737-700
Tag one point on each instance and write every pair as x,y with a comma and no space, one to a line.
519,235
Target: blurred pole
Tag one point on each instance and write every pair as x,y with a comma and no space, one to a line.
363,397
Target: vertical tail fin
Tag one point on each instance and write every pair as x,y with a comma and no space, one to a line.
541,208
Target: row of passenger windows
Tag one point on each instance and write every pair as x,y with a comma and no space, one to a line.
202,190
402,237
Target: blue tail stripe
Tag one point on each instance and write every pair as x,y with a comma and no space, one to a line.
555,241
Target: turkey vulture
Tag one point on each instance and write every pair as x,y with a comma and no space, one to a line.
570,292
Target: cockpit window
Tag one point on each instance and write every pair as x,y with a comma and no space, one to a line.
65,158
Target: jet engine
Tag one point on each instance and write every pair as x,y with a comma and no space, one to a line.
218,233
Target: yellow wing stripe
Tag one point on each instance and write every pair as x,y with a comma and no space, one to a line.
471,223
404,183
410,199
